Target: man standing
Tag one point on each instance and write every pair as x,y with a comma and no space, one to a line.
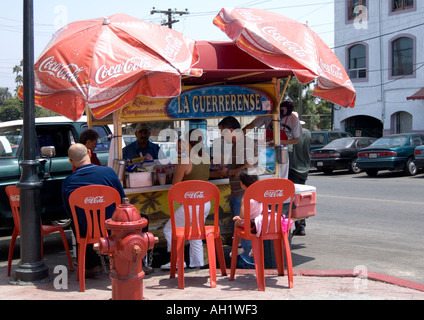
142,146
87,174
244,155
299,169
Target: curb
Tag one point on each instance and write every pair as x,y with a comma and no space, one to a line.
344,274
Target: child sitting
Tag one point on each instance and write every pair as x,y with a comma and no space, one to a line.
246,180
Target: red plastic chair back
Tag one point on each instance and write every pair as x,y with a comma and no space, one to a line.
94,200
14,199
193,195
273,194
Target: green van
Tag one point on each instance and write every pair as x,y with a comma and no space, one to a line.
58,132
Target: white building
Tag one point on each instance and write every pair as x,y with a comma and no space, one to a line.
381,44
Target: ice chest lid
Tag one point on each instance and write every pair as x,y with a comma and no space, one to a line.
301,188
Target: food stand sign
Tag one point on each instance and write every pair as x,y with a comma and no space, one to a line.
218,101
202,102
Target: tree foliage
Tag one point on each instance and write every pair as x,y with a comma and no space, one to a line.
315,112
11,107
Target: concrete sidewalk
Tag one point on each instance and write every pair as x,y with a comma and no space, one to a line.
308,285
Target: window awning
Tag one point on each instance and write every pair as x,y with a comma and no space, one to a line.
419,95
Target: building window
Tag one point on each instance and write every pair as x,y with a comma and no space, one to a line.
358,62
398,5
354,9
402,56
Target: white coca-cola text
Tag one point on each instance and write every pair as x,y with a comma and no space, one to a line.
274,193
94,200
173,47
65,72
194,195
334,70
105,73
292,46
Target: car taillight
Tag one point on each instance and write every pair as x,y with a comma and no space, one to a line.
375,154
387,154
418,152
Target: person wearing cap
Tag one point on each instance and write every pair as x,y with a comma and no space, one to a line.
290,130
142,146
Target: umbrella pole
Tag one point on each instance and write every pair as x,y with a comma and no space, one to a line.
31,269
276,117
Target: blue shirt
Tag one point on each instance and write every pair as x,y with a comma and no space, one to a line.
133,150
85,176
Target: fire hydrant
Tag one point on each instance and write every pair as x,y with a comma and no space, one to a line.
127,246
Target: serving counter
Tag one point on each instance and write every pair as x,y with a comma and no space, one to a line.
153,201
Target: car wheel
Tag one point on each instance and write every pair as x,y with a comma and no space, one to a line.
410,167
372,172
64,223
353,168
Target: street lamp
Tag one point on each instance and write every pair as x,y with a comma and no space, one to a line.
31,269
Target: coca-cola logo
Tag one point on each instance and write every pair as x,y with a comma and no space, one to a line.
105,73
15,198
94,200
334,70
173,47
274,193
292,46
67,72
194,195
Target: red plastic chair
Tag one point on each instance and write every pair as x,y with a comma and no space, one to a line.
192,194
272,193
14,199
93,200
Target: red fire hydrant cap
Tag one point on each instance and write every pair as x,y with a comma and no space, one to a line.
126,215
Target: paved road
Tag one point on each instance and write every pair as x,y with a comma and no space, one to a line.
361,222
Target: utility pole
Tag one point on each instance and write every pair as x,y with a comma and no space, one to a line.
170,13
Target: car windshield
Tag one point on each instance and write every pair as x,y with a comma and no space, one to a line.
10,139
395,141
340,143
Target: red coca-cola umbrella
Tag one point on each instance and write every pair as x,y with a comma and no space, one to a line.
104,63
283,43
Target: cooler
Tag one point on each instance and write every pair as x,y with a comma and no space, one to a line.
305,201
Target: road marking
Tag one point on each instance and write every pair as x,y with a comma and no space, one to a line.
372,199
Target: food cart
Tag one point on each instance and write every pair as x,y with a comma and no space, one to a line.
233,84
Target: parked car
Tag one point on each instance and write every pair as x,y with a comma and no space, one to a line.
319,139
59,132
393,152
419,157
340,154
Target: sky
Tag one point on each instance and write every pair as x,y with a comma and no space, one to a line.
51,15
